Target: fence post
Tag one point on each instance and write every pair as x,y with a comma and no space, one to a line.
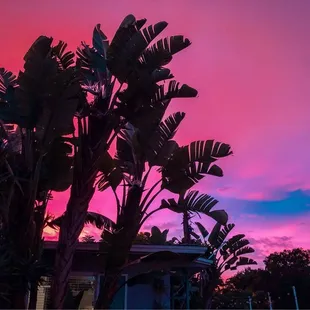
295,297
270,301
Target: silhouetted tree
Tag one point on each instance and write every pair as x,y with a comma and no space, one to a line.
228,254
286,269
139,99
39,106
88,239
146,141
283,270
156,236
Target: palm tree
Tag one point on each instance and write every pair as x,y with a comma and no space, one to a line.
228,255
146,141
127,60
133,114
191,203
40,104
136,69
186,165
88,239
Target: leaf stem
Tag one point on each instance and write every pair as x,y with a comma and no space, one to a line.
149,214
149,193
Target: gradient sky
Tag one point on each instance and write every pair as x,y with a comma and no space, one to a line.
250,62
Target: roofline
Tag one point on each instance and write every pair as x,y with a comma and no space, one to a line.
137,248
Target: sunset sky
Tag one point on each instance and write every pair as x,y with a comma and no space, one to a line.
250,62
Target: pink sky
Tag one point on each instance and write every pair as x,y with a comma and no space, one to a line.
250,62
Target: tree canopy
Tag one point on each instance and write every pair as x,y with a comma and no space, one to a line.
282,271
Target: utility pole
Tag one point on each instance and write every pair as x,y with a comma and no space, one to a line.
295,297
269,300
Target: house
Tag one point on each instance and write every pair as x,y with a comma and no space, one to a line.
86,275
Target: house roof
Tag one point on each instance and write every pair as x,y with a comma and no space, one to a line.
88,252
137,248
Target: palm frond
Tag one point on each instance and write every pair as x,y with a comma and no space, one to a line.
235,243
43,82
161,75
230,262
202,203
96,219
65,59
124,33
91,63
100,41
7,80
196,236
219,216
99,220
224,232
198,203
243,261
157,236
158,150
203,231
155,231
172,205
238,245
125,152
111,174
40,48
190,163
147,112
123,58
8,107
160,53
214,235
175,90
245,250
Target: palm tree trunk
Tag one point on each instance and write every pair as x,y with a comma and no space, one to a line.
121,244
117,255
33,296
106,291
22,234
70,230
19,299
117,258
82,191
186,228
208,303
208,294
37,246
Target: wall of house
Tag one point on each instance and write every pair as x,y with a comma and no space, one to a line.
138,296
76,284
143,296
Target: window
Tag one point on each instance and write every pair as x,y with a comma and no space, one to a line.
76,284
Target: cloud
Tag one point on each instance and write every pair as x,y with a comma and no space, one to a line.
265,246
